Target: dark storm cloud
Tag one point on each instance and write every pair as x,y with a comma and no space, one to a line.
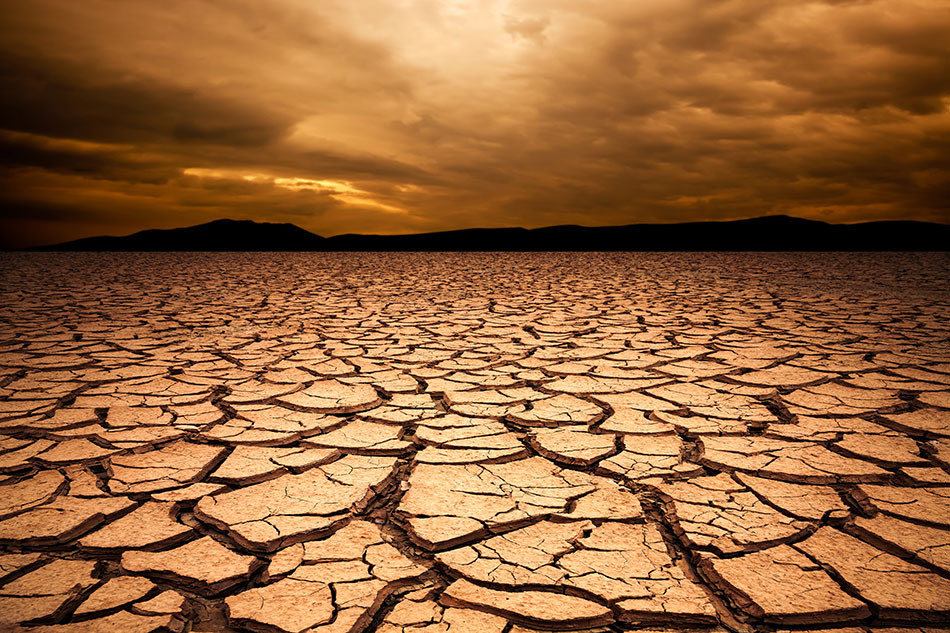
93,160
60,98
374,116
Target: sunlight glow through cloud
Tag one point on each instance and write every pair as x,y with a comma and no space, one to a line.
340,190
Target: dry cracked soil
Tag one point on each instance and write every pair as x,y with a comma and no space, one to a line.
475,443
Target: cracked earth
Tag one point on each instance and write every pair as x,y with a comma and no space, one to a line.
433,443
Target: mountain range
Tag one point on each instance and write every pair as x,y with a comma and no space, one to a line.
769,233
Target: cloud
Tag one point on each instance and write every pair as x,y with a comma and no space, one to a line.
471,112
531,28
64,99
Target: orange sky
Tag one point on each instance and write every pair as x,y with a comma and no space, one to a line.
397,116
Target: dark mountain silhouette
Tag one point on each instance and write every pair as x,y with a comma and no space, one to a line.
220,235
771,233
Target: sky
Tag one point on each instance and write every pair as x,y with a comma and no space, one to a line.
404,116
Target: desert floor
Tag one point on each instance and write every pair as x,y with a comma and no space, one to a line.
474,443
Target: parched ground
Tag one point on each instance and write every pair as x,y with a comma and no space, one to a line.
485,443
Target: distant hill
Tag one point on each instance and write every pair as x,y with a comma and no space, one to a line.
220,235
771,233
